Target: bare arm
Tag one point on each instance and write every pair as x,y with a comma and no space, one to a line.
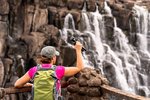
70,71
23,81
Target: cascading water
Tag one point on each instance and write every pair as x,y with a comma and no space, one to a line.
69,30
121,62
107,8
69,25
85,19
98,25
141,24
141,17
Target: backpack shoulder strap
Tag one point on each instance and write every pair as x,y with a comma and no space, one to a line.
39,66
58,90
53,67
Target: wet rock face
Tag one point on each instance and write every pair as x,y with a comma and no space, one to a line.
86,86
28,25
75,4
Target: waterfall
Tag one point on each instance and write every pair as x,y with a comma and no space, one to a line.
84,7
69,25
86,22
120,62
107,9
120,79
69,22
124,52
121,41
97,24
69,29
141,17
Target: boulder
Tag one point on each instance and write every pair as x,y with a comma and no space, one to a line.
86,88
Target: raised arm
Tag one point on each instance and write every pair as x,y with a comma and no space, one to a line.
70,71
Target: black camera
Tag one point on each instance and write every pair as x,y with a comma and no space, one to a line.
74,42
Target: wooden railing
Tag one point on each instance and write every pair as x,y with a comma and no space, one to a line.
105,89
121,94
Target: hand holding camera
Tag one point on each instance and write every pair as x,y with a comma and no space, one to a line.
76,43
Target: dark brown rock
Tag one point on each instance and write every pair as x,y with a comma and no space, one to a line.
75,96
34,42
86,70
7,62
100,4
75,4
73,88
3,35
53,17
94,73
61,15
93,92
76,16
40,18
4,7
72,80
69,58
103,80
82,82
96,98
58,3
1,72
91,5
29,14
89,88
49,30
77,75
94,82
4,18
83,91
86,75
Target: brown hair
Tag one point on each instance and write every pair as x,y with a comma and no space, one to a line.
43,59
